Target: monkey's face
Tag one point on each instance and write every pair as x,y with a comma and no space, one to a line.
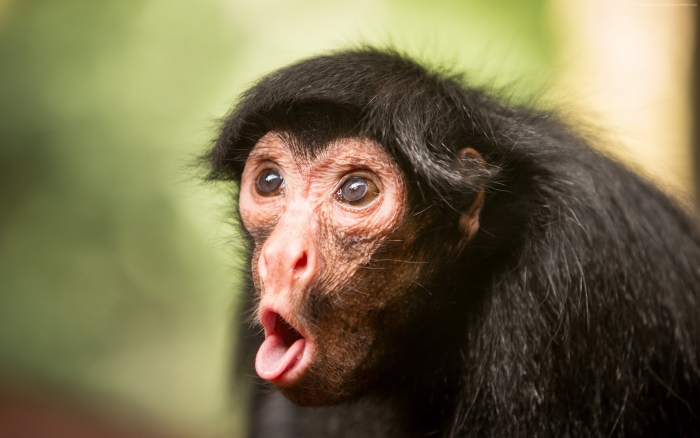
316,223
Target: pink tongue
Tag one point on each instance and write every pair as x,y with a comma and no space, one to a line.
275,357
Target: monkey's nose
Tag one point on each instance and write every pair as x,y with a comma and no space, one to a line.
287,262
301,265
303,271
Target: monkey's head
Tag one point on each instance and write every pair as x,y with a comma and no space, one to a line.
351,168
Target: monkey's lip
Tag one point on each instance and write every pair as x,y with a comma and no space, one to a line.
285,353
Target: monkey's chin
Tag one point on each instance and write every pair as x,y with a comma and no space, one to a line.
285,354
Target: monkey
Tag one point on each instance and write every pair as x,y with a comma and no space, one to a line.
425,260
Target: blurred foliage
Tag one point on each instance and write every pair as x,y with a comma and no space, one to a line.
117,268
108,276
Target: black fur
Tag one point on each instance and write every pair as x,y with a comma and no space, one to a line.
573,312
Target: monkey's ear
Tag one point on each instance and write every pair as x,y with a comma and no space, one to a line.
469,219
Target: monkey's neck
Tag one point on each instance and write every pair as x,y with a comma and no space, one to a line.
418,393
409,411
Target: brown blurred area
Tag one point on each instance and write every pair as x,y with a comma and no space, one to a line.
25,414
695,112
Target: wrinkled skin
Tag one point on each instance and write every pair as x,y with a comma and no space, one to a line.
312,259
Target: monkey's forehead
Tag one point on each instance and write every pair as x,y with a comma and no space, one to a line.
358,151
367,92
421,118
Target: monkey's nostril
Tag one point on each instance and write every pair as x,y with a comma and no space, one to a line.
301,263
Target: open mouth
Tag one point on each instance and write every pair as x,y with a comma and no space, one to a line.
283,355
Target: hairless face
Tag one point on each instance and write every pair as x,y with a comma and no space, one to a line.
316,222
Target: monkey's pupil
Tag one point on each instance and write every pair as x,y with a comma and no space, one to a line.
354,189
269,181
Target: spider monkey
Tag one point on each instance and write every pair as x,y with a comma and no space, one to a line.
425,261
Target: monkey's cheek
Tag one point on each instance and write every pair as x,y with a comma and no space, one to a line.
283,364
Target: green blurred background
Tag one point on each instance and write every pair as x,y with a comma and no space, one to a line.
118,271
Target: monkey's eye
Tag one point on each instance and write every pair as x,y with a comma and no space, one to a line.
269,182
358,191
